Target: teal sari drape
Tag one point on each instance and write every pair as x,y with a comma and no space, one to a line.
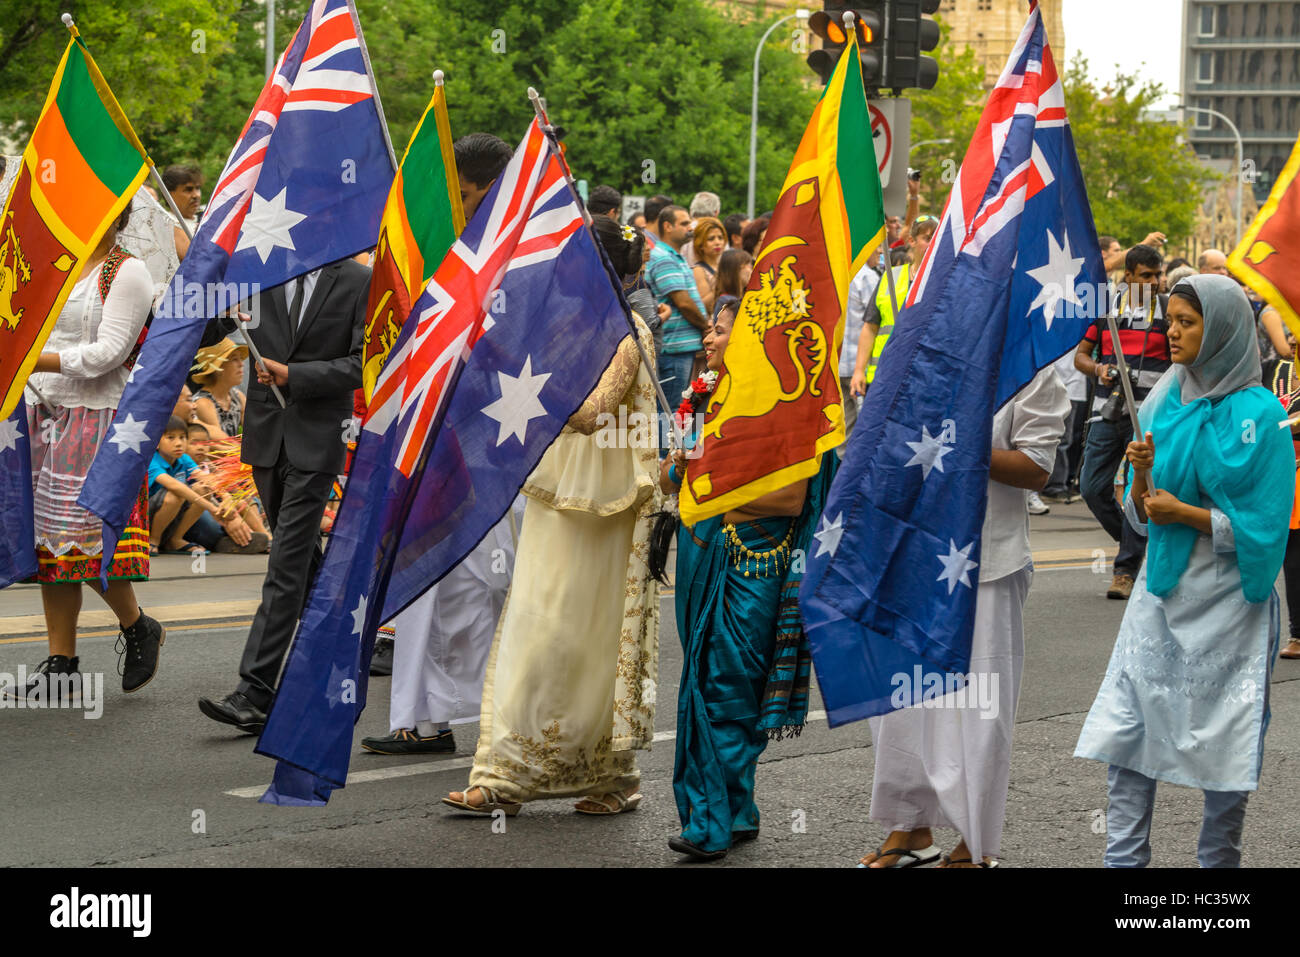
746,664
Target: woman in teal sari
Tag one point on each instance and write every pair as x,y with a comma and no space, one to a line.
746,664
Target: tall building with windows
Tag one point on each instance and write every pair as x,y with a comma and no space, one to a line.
1243,60
991,28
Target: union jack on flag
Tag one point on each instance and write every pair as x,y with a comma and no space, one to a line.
520,228
1008,285
305,185
322,70
511,333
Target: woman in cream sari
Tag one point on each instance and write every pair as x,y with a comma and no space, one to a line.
569,691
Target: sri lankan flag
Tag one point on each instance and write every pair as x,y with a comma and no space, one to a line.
777,406
1268,257
81,167
422,219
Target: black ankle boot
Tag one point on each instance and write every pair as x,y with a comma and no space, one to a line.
138,647
56,679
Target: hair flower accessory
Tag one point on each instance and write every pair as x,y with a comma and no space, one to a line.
695,395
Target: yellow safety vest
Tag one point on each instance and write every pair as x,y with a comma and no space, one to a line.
886,307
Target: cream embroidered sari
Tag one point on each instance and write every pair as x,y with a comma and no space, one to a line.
570,685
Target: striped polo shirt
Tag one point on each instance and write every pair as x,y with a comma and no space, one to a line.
1146,349
666,273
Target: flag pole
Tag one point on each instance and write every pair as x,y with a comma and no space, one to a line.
374,89
46,402
1127,385
678,439
162,188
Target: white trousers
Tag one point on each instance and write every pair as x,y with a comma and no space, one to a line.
949,766
441,640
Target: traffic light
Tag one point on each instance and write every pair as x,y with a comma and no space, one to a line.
868,22
910,34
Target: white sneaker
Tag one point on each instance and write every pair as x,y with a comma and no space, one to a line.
1036,505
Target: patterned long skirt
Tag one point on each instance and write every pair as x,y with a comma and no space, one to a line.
69,542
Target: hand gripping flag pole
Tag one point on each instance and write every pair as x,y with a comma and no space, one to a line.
1127,385
549,130
171,203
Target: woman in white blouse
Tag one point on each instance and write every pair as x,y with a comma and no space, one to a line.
79,379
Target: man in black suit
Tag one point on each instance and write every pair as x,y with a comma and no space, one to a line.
310,336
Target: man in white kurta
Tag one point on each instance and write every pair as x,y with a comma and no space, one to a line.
440,647
947,762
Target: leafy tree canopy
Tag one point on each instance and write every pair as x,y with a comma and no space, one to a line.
1139,174
157,55
654,97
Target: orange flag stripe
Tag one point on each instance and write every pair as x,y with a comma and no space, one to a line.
66,179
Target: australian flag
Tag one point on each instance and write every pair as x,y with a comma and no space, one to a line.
512,332
1010,283
18,532
304,186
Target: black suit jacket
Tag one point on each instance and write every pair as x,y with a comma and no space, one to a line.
324,359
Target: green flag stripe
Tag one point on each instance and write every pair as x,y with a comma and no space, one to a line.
855,156
106,151
424,192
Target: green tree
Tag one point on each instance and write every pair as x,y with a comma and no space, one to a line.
216,116
654,97
157,55
1140,176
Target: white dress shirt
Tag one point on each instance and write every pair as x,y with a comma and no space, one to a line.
1033,423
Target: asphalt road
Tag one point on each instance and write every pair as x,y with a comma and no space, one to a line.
154,783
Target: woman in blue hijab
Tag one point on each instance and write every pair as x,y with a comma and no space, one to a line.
1185,697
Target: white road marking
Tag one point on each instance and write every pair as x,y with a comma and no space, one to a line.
430,767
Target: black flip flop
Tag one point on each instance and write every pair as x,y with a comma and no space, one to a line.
919,857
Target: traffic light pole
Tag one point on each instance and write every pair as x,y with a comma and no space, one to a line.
753,112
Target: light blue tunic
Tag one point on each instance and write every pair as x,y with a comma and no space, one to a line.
1185,697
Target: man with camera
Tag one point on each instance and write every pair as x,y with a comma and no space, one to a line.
1141,323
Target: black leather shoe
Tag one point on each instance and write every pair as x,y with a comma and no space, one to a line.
235,709
683,846
408,741
381,662
740,837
